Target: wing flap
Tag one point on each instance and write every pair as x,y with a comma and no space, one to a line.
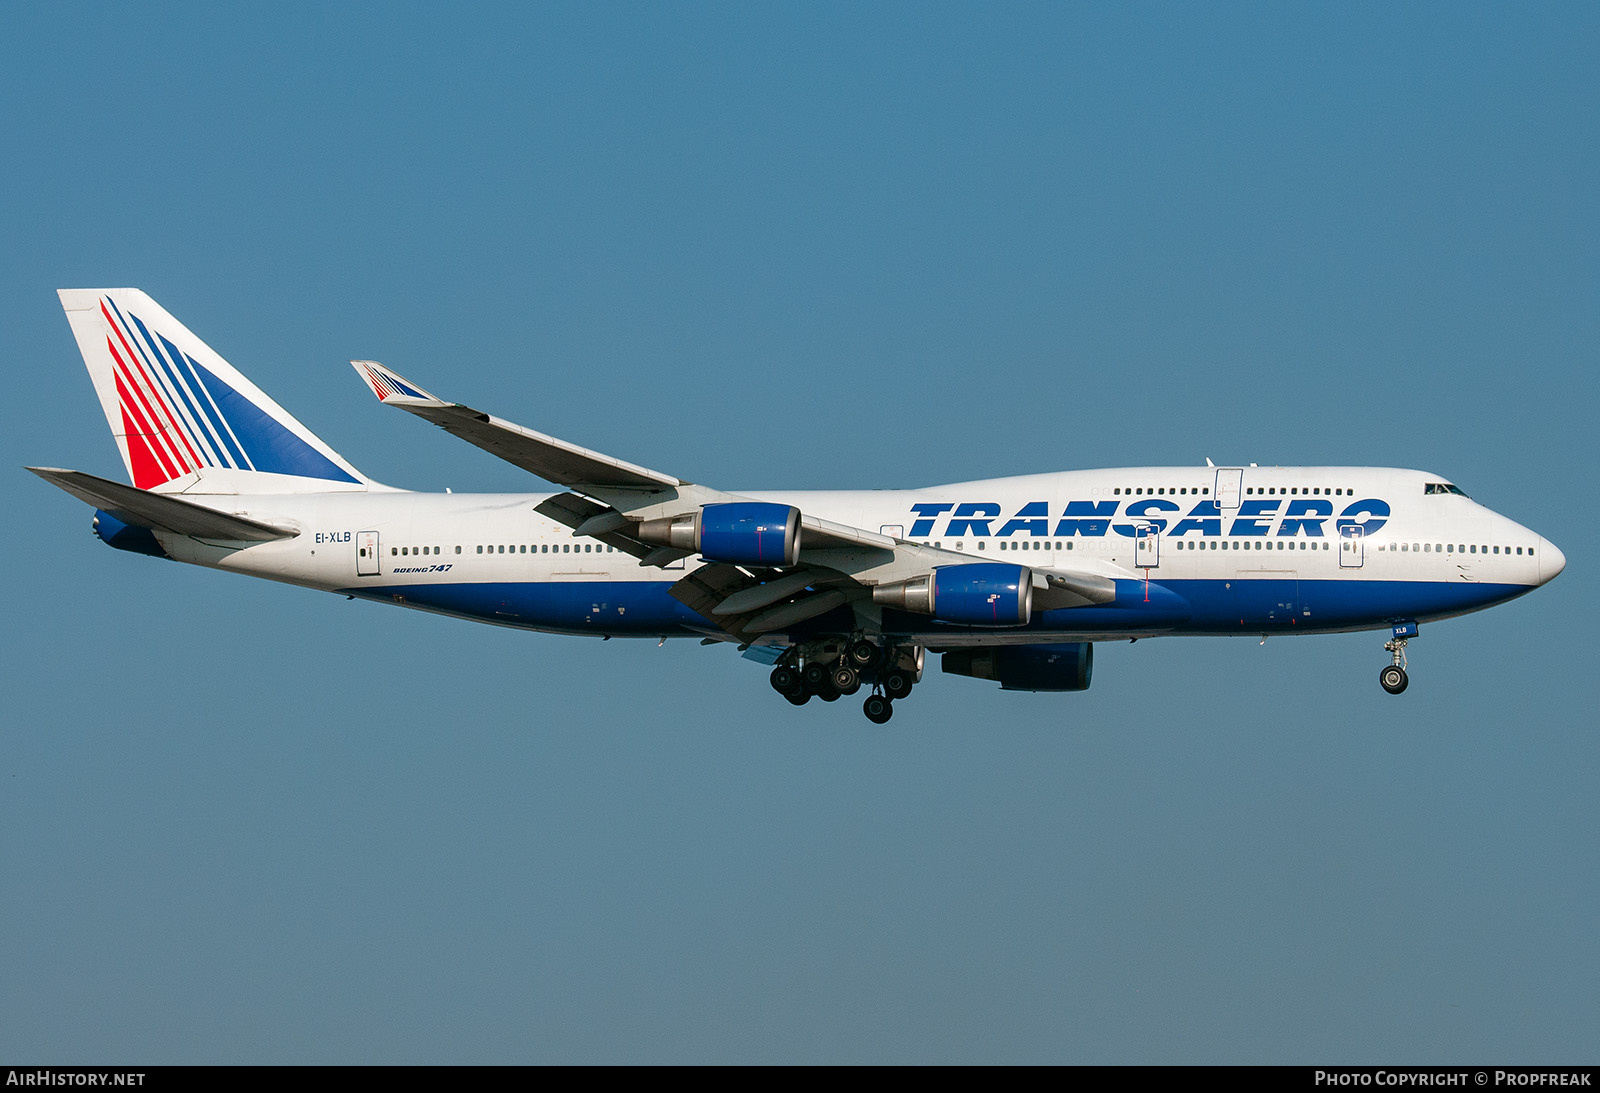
834,535
604,523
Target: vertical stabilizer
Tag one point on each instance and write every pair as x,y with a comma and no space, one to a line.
184,418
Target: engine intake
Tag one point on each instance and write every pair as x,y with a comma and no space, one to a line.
1065,667
737,532
979,594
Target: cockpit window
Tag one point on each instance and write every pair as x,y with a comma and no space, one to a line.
1443,487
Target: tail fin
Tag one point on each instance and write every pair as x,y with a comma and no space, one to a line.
184,418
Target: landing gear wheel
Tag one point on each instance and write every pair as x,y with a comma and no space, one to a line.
845,679
815,675
828,692
863,653
799,699
896,683
786,681
1393,679
878,709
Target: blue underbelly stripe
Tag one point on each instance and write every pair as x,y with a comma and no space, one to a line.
1181,606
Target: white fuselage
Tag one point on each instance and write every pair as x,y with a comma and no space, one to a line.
1227,550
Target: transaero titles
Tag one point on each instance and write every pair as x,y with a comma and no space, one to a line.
1269,516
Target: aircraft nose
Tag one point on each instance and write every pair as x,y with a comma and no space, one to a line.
1551,560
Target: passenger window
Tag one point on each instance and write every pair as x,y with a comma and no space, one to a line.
394,552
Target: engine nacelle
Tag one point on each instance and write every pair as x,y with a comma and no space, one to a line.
1065,667
739,532
978,594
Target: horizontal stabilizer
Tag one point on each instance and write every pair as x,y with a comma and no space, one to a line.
551,459
141,508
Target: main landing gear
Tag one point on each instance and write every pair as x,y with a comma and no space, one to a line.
1393,677
831,669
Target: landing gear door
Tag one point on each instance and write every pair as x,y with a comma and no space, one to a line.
1350,548
1147,547
1230,483
366,554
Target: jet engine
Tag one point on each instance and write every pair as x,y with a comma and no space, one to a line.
738,532
977,594
1065,667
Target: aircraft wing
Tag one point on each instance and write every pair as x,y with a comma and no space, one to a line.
579,469
627,506
165,511
551,459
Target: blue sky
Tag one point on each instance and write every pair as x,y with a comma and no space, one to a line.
805,246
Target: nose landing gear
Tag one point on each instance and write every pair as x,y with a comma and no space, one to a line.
1393,677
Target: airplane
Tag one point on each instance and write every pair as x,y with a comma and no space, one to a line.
1012,580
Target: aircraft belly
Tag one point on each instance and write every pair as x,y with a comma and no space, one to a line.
1271,604
623,608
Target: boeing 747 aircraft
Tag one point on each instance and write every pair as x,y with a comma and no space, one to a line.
1009,579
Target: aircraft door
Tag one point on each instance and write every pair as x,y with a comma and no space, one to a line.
366,554
1147,547
1230,484
1350,548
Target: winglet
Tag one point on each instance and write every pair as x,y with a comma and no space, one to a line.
549,458
389,385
